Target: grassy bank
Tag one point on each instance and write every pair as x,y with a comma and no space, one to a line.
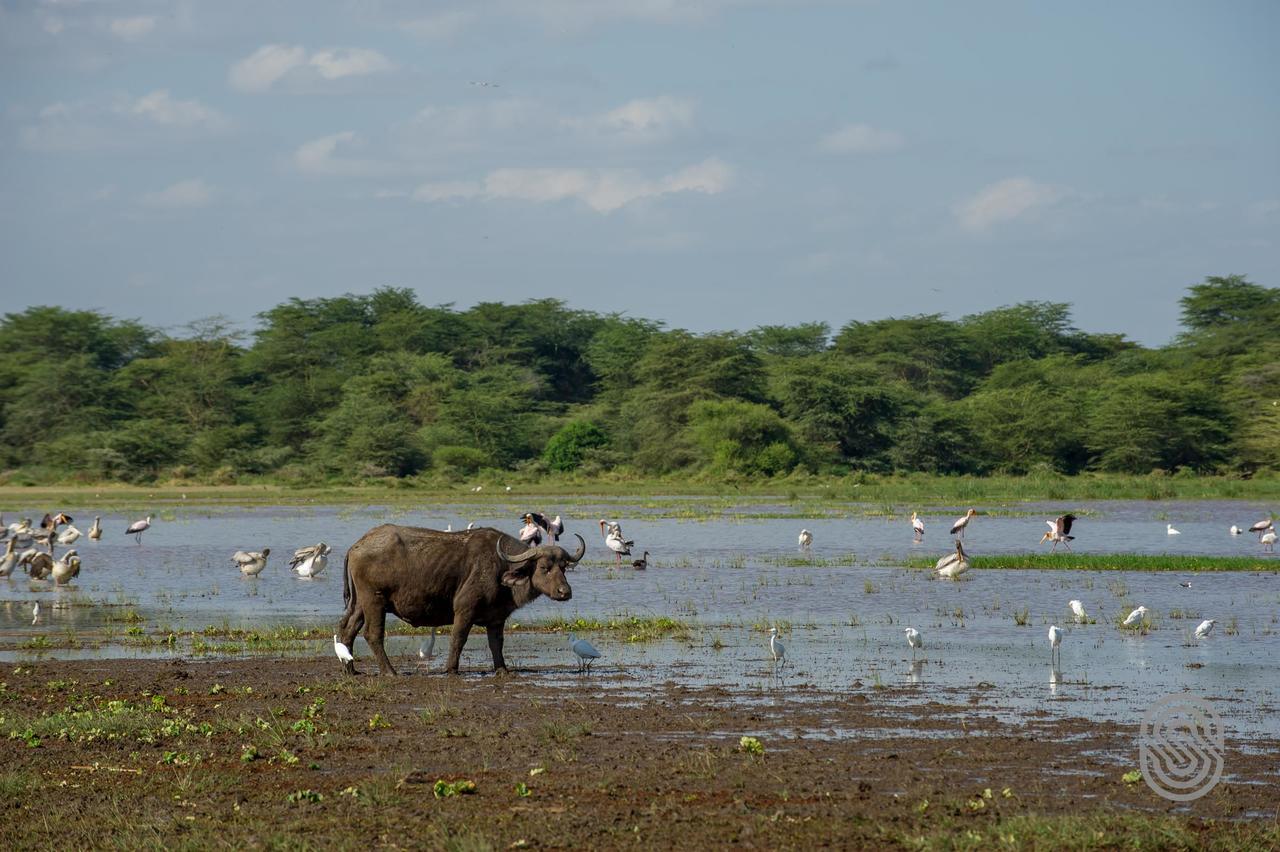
914,490
1113,562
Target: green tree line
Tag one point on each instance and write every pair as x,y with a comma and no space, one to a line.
378,385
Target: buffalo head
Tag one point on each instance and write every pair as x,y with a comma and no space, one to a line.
543,567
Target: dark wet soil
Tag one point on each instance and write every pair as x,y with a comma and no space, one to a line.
292,754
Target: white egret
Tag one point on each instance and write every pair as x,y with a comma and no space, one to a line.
953,565
35,613
1058,531
1135,617
915,640
1269,540
344,653
137,528
448,527
95,531
962,522
251,562
917,527
1055,640
587,653
1205,628
1078,609
1169,530
806,539
776,648
310,561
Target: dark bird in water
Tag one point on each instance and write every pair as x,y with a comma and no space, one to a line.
641,563
1185,585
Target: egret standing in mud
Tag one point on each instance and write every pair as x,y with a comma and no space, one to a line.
344,653
586,652
776,648
1055,650
915,640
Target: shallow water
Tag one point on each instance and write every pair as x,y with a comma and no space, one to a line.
734,574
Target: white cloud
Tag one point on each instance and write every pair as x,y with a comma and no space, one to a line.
131,29
274,63
261,69
1005,201
860,139
320,157
162,108
185,193
641,120
603,190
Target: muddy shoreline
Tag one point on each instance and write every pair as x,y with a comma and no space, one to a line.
292,754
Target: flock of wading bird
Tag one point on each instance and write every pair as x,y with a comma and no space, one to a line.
39,559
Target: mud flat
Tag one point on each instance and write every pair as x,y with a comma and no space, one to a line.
288,753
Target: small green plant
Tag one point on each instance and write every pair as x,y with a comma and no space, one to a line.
309,796
249,753
444,789
522,790
1132,777
751,746
217,689
378,721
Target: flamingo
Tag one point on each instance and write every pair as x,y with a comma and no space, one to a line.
953,565
586,652
1055,640
251,562
915,640
310,561
1058,531
962,522
917,526
806,539
137,528
1078,609
95,531
1205,628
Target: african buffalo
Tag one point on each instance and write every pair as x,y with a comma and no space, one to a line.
430,578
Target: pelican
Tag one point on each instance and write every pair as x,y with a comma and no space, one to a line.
68,536
1058,531
641,563
10,559
962,522
1135,618
137,528
1269,540
953,565
915,640
806,539
587,653
1235,530
251,562
40,566
344,654
95,531
531,532
917,526
1205,628
67,568
1261,526
1078,609
776,648
614,541
310,561
1168,528
1055,652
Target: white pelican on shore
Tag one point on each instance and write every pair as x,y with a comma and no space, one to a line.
917,527
251,562
1135,618
806,539
915,640
137,528
1055,640
1077,609
310,561
962,522
1058,531
953,565
95,531
586,652
1205,628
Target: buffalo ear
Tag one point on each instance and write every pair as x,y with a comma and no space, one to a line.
516,573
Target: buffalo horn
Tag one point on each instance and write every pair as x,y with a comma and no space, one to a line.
519,557
582,549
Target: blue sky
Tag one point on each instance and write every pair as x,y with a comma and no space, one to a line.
714,164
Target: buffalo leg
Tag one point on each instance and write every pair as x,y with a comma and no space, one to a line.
494,633
375,625
461,629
